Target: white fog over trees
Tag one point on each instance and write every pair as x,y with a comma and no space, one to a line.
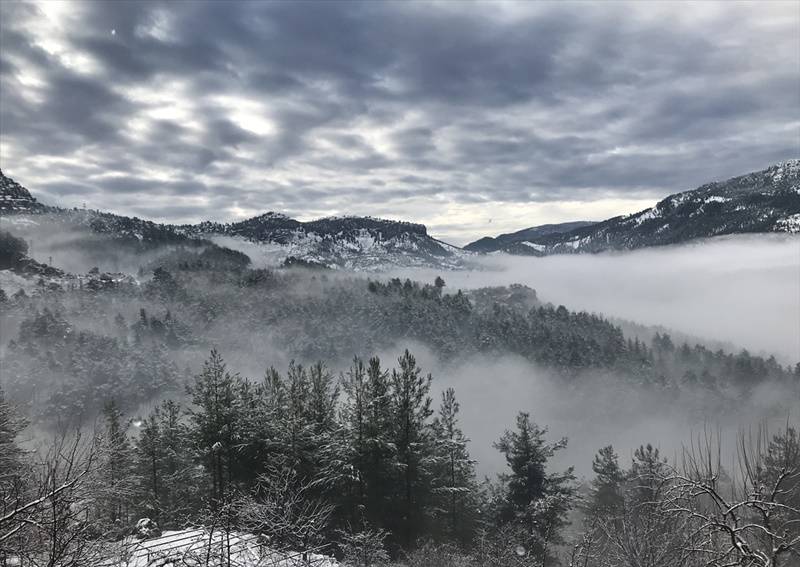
399,284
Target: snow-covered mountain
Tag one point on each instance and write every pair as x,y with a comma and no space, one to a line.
764,201
361,243
520,242
14,198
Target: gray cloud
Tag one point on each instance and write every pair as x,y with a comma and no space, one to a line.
337,106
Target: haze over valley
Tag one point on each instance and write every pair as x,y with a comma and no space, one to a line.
350,284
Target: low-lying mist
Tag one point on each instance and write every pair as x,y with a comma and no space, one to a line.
744,290
592,413
740,289
76,249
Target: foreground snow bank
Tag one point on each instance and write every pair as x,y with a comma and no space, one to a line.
199,547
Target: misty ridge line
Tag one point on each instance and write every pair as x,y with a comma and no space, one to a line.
774,192
296,314
598,292
133,345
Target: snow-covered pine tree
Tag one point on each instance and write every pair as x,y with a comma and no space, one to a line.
298,433
647,473
120,472
606,495
325,431
536,500
10,426
454,486
169,480
411,412
148,464
13,485
353,416
323,396
214,418
381,451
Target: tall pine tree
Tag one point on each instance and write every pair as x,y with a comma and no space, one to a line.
454,486
120,478
536,501
214,419
411,411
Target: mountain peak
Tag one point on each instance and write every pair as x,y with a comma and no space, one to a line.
14,198
789,169
760,201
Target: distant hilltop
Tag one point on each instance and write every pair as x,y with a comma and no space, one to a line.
14,198
759,202
763,201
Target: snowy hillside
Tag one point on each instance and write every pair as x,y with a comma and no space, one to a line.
764,201
356,243
14,198
273,239
517,242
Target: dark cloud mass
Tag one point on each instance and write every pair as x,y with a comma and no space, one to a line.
428,111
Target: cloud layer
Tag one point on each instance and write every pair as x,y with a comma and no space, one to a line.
741,289
472,118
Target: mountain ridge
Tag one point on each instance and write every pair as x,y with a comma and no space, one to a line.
510,241
762,201
757,202
362,243
14,198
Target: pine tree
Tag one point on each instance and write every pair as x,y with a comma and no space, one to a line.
354,419
298,432
214,419
535,500
647,473
10,426
117,494
454,484
12,471
148,457
381,452
325,441
606,491
269,426
411,410
164,457
605,507
323,395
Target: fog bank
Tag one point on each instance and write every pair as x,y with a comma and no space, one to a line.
744,289
592,412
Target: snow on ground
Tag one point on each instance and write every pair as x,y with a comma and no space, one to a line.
194,546
646,215
19,221
262,255
790,224
11,283
537,247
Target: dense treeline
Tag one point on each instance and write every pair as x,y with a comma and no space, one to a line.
367,454
363,462
60,371
365,466
198,300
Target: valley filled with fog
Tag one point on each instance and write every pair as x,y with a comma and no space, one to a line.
656,352
731,293
742,289
399,284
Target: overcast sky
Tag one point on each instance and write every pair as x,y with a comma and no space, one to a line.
474,118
